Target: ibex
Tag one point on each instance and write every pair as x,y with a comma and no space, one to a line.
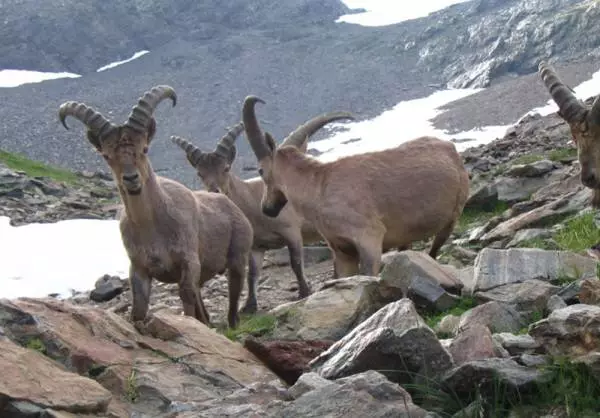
368,203
585,127
170,233
288,229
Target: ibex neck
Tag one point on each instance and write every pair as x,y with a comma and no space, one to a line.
301,176
145,207
240,192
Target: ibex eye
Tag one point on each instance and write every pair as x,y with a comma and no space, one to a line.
260,171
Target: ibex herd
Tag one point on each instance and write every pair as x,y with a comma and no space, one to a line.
361,205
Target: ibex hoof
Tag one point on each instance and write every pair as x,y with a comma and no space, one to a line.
249,309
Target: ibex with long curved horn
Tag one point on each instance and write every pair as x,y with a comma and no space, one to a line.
363,204
288,229
585,127
170,233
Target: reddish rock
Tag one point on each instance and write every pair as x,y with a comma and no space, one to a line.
590,292
473,343
287,359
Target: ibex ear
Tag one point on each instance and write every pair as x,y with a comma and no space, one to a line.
151,129
232,154
270,142
94,140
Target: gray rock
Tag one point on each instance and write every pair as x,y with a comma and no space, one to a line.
472,343
555,302
394,339
487,375
359,397
485,197
533,360
535,169
499,267
305,383
516,344
429,295
498,317
528,297
529,234
516,189
569,331
106,288
448,325
408,268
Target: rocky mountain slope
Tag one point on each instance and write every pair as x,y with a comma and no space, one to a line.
503,324
292,54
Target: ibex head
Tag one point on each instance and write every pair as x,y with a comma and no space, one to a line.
266,151
125,146
583,121
213,167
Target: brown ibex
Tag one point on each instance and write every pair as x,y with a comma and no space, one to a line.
368,203
170,233
288,229
585,127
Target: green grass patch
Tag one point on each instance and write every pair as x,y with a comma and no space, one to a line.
580,233
131,390
37,345
560,154
254,325
527,159
565,385
463,305
472,217
541,243
19,162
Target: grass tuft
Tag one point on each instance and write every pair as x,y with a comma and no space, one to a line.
579,234
472,217
32,168
560,154
254,325
463,305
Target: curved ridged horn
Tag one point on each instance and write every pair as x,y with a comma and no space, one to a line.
571,108
88,116
140,115
595,112
307,129
226,142
193,153
254,134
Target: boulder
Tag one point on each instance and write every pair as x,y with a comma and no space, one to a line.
361,395
30,379
395,339
572,331
473,343
529,298
516,344
494,267
331,312
589,292
487,376
497,317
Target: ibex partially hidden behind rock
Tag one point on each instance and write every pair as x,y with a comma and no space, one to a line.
288,228
364,204
170,233
585,127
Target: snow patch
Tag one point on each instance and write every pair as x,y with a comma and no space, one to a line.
389,12
117,63
15,78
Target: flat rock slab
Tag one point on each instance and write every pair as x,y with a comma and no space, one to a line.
495,267
30,376
526,297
